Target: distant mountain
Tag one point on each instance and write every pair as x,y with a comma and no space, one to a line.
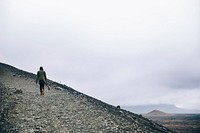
172,109
157,113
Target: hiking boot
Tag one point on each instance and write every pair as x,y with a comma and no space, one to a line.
42,93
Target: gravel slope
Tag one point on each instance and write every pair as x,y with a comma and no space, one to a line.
60,110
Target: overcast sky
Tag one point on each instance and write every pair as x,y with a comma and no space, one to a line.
123,52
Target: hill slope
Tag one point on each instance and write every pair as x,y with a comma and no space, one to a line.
61,110
157,113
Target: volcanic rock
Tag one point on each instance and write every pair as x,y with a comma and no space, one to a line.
60,110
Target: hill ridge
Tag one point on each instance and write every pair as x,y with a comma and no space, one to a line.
157,113
60,110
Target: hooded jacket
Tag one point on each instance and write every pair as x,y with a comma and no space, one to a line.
41,75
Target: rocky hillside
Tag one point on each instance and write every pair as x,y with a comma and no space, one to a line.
60,110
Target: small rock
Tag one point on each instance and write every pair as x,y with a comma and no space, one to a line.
18,92
118,107
59,88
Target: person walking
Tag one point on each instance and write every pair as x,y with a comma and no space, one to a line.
42,78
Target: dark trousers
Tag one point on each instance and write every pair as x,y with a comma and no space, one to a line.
41,82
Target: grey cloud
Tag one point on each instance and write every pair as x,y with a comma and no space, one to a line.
124,62
181,81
